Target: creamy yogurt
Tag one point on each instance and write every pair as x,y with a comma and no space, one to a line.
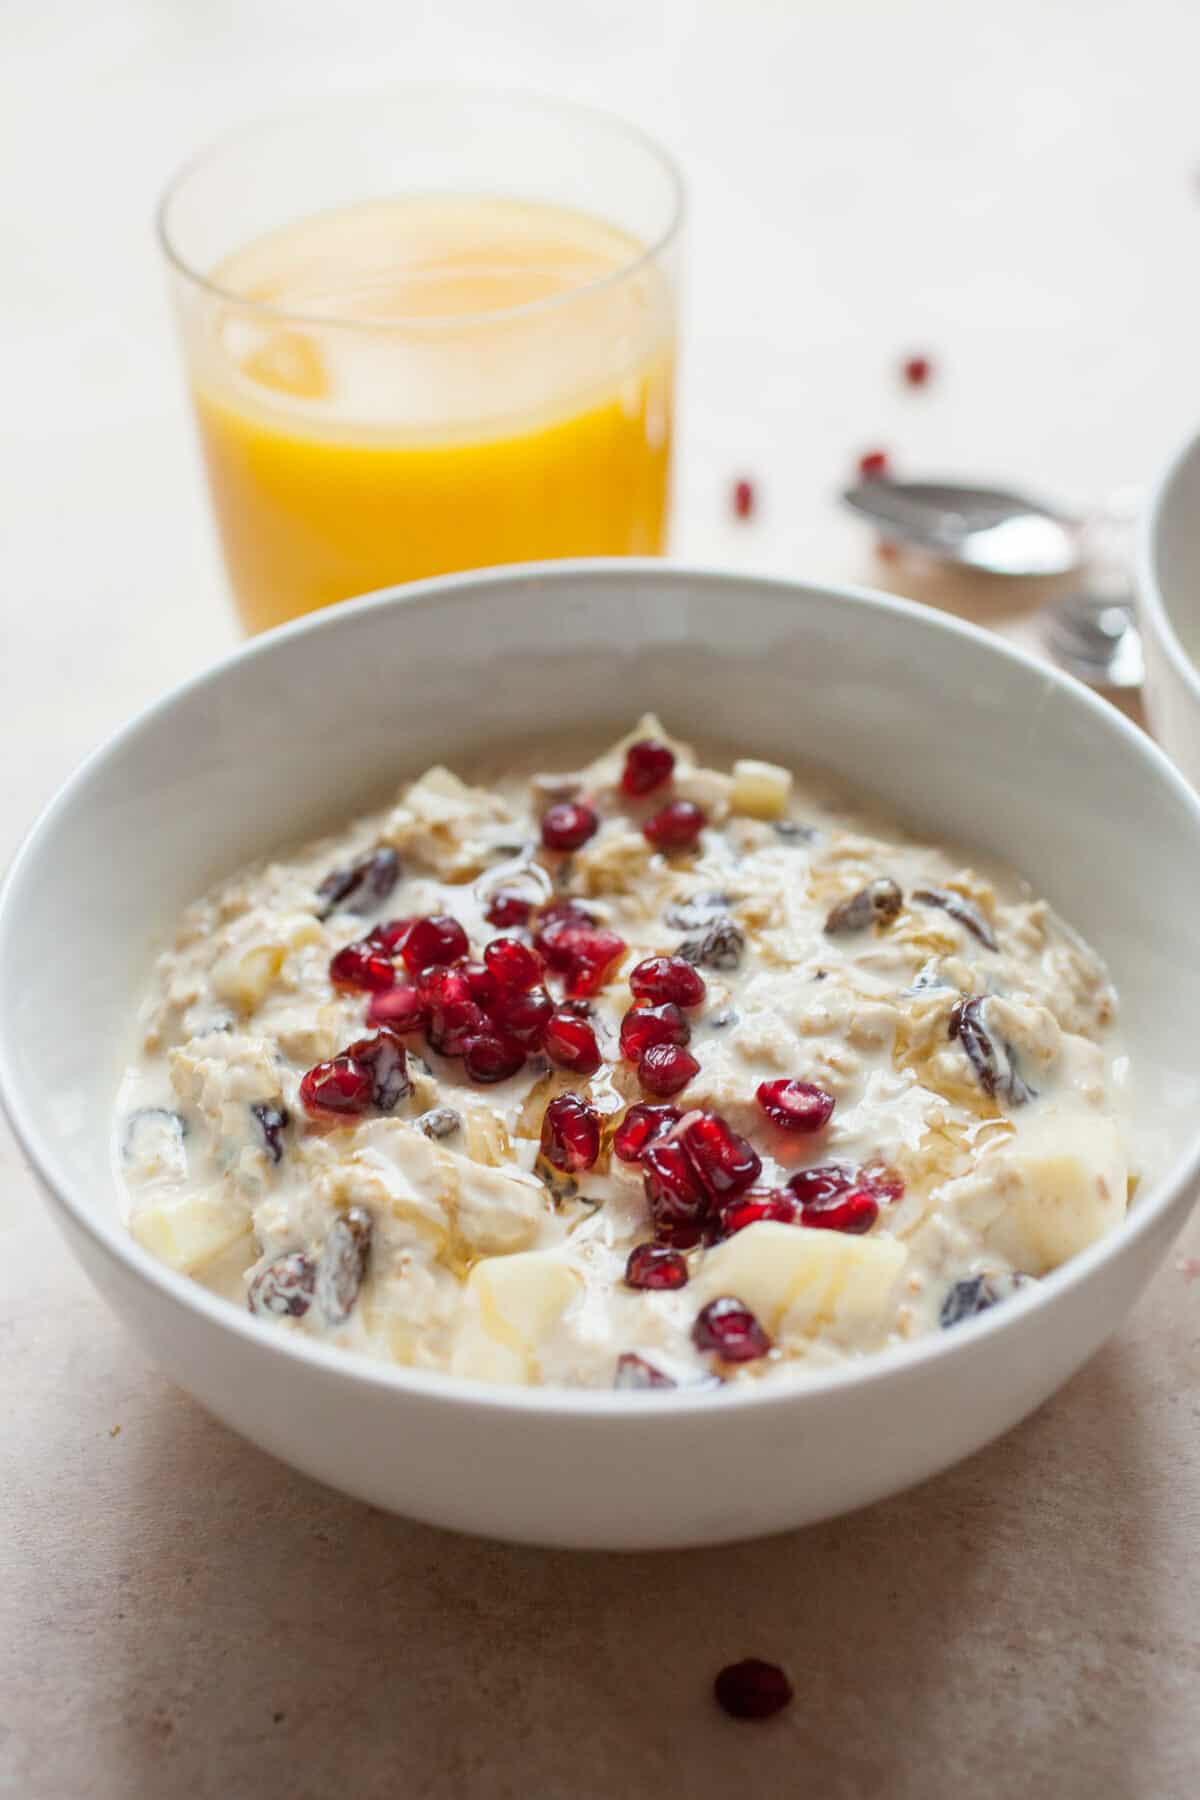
963,1036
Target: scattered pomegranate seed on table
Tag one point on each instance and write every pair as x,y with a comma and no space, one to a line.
568,825
648,764
917,370
874,465
744,499
731,1330
752,1689
570,1134
654,1266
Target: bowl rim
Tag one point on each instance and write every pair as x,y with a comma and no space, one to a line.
1150,592
899,1363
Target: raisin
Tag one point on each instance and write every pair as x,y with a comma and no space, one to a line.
993,1058
273,1121
157,1133
284,1289
965,1299
439,1122
695,914
343,1264
361,888
962,910
721,946
635,1372
876,904
791,831
727,1016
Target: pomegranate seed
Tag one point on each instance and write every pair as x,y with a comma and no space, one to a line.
481,983
584,954
675,1197
453,1015
640,1126
854,1212
795,1105
665,1069
884,1183
743,499
570,1134
661,978
731,1329
680,1237
917,370
752,1689
386,1060
568,824
558,913
875,465
508,909
341,1086
523,1016
361,966
490,1057
571,1043
654,1266
513,963
363,887
647,765
390,936
724,1162
676,827
400,1009
758,1204
635,1372
434,942
646,1025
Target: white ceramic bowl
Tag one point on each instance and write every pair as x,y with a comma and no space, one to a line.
1169,607
952,728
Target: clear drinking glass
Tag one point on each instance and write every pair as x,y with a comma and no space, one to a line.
427,330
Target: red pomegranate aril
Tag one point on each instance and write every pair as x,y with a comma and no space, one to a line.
481,983
643,1026
675,1197
752,1689
635,1372
385,1057
648,764
917,370
583,954
570,1042
491,1057
723,1160
756,1205
795,1105
390,936
570,1134
743,499
663,978
640,1126
729,1328
676,827
854,1212
341,1086
874,465
508,909
523,1016
437,940
400,1009
878,1179
513,963
555,915
568,824
680,1237
360,965
453,1015
666,1069
654,1266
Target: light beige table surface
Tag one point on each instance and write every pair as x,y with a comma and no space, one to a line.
1012,188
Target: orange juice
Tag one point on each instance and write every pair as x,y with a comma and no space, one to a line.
410,386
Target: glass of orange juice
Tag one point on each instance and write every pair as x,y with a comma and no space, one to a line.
427,330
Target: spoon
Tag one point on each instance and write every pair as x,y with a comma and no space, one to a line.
977,527
1093,634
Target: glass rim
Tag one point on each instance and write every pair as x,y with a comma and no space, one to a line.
265,310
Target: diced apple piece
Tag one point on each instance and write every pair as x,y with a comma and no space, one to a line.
511,1303
761,790
187,1232
1061,1185
243,977
797,1280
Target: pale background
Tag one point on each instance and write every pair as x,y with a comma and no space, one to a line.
1014,189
